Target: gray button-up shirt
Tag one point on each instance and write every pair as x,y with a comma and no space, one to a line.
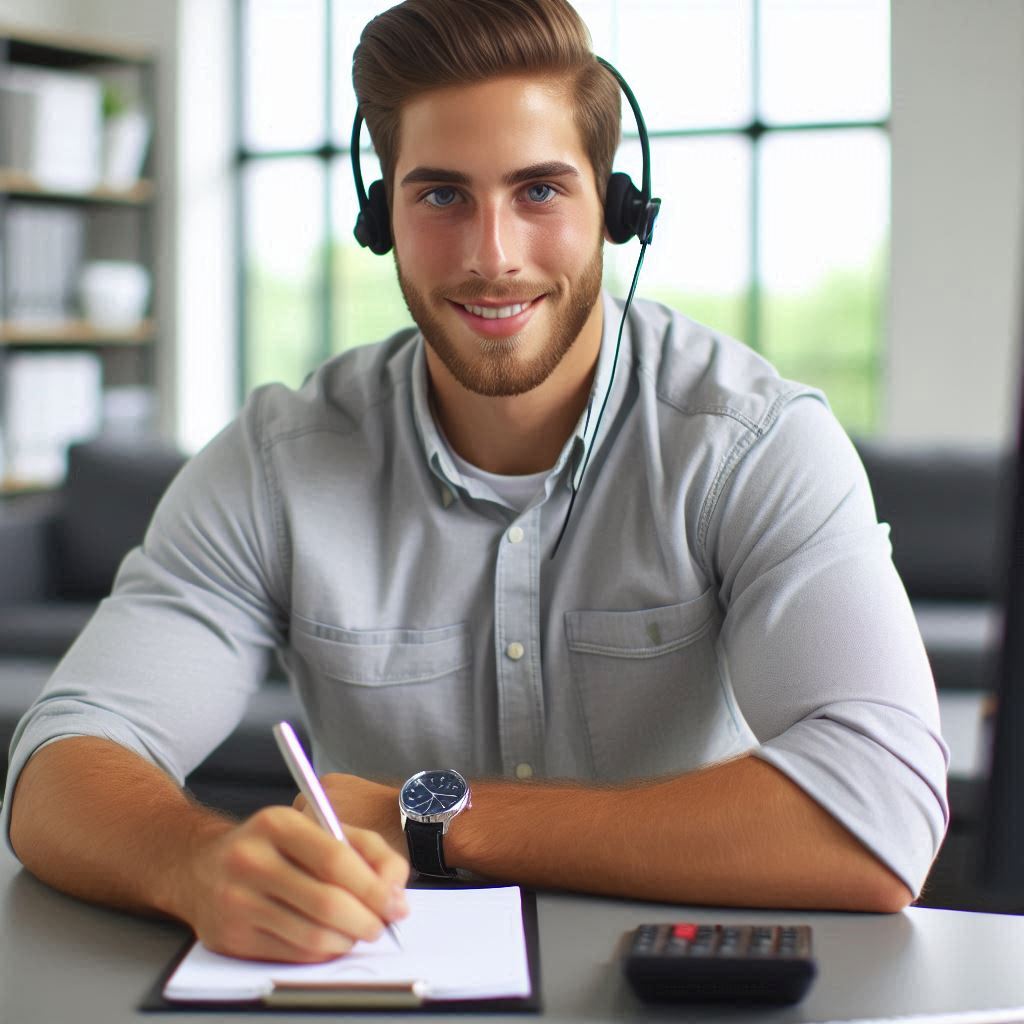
723,587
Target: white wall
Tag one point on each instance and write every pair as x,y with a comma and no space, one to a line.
205,258
958,188
958,206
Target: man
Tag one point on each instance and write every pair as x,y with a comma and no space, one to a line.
715,692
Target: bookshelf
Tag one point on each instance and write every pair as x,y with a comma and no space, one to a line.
18,183
60,371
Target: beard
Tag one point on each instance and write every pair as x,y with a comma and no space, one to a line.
497,367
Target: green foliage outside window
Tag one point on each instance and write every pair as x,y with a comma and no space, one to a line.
826,337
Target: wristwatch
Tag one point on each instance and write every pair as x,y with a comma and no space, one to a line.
428,802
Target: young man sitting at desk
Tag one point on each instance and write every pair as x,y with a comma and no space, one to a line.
713,691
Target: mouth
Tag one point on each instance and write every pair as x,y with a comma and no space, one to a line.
498,312
498,321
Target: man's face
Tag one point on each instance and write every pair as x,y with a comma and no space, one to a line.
498,230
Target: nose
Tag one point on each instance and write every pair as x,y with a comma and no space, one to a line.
493,249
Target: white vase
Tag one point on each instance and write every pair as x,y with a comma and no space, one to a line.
114,293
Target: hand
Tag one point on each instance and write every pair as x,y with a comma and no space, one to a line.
278,887
364,804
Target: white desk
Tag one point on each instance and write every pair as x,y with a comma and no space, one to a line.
63,962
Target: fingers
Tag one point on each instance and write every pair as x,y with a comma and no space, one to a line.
278,887
365,867
390,867
256,927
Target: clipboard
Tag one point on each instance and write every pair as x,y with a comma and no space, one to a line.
366,998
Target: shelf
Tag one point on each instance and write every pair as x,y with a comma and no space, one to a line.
10,488
17,183
60,49
73,332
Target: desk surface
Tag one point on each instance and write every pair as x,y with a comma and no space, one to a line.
61,960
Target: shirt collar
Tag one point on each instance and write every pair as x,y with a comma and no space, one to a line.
584,436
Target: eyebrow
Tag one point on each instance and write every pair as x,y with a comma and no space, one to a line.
441,175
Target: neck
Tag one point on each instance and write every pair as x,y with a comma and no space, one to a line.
524,433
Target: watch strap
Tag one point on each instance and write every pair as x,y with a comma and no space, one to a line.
426,848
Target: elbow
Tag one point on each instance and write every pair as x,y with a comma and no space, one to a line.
890,898
879,891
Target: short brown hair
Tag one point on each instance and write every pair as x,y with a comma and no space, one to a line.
429,44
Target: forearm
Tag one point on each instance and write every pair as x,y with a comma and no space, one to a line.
739,833
97,821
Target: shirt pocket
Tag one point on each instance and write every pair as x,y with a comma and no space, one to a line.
650,692
387,703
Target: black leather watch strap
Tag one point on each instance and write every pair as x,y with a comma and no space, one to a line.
426,848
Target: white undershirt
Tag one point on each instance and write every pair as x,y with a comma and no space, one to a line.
518,491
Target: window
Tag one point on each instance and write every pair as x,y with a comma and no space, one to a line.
770,150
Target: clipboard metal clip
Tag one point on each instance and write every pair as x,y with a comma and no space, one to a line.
397,995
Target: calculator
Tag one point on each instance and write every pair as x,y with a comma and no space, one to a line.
720,963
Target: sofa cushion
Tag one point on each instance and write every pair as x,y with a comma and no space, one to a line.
108,498
42,630
27,529
946,507
962,639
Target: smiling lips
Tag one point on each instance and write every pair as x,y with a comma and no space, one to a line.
494,321
498,312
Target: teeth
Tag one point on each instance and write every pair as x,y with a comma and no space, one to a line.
500,313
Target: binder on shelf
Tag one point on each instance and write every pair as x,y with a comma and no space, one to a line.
42,250
52,126
51,399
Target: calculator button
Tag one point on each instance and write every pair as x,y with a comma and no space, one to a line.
688,932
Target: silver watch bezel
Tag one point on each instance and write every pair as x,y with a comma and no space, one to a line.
444,818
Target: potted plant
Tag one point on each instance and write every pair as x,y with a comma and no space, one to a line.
126,132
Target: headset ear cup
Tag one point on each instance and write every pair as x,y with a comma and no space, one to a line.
373,225
620,204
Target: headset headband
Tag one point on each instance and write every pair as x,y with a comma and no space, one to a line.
641,127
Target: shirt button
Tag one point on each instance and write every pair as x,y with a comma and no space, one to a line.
515,650
515,535
524,771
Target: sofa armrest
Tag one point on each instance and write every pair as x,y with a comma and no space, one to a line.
27,528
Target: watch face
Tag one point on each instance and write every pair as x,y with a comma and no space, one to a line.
433,792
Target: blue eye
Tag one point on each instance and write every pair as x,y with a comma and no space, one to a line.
440,197
540,193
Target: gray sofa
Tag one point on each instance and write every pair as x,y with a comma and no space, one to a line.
947,508
59,554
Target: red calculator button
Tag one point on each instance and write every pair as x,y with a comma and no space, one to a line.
685,931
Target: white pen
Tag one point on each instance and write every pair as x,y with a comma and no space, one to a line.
309,786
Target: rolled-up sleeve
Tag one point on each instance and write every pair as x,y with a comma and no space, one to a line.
820,642
168,662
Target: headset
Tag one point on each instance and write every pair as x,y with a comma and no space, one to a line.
629,212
